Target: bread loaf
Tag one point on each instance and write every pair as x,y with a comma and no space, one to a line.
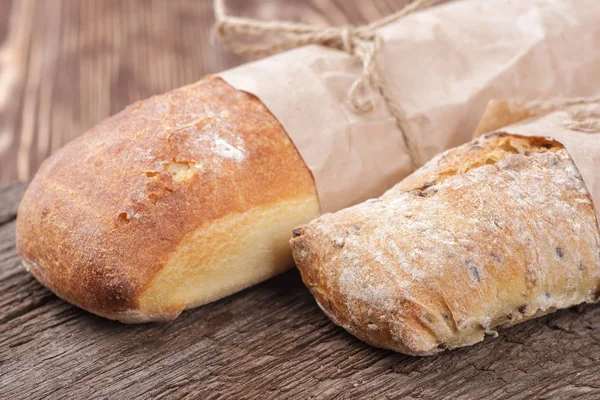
177,201
486,235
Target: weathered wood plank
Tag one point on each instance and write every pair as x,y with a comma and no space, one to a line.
269,342
67,64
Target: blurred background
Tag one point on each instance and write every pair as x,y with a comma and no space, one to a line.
67,64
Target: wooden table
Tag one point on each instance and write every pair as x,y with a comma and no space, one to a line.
65,65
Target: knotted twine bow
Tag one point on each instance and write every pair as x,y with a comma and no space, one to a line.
360,41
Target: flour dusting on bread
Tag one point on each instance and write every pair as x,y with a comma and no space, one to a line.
226,150
488,234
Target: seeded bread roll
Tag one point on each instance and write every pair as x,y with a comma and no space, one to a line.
175,202
486,235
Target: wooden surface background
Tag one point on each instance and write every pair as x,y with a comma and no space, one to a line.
67,64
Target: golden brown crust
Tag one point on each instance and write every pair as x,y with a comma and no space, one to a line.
488,234
104,213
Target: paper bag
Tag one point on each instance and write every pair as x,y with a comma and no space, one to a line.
442,65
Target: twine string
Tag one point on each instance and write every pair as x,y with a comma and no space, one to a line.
360,41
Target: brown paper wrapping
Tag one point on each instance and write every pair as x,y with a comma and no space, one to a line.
442,65
575,127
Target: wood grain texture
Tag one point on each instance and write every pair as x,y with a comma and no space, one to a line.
268,342
67,64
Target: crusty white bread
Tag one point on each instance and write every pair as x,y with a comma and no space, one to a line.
488,234
177,201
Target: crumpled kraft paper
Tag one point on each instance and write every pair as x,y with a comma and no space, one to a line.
443,65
